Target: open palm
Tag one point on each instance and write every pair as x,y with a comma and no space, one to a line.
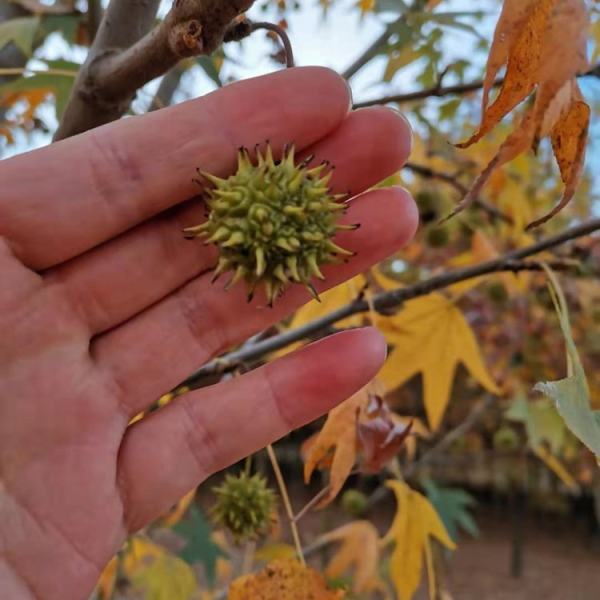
104,306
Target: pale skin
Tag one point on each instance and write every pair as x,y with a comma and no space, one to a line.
104,306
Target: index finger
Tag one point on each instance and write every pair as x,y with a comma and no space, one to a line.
62,200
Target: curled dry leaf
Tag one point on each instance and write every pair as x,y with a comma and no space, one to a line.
360,429
379,436
283,579
543,44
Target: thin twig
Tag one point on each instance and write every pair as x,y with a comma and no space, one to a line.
286,502
283,36
429,173
437,91
312,503
384,302
23,70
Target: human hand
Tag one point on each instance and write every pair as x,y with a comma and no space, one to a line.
104,307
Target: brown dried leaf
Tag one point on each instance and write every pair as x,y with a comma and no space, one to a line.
379,437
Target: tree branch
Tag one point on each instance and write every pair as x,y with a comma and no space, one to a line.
438,91
383,303
121,62
93,18
123,24
429,173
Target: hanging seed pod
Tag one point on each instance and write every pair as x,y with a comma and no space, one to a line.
244,505
273,223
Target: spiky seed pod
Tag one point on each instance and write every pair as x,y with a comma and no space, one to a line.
273,222
244,505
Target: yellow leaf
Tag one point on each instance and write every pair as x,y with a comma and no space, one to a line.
415,522
330,300
156,573
431,336
283,579
358,554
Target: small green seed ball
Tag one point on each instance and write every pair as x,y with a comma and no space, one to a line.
273,223
244,505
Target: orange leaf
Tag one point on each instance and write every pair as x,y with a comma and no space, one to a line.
107,580
569,137
524,55
358,554
544,44
338,436
284,579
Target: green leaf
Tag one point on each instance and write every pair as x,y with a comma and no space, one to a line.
208,65
452,505
542,422
200,547
572,395
67,25
21,32
400,60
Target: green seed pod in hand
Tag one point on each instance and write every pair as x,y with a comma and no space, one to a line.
244,505
273,222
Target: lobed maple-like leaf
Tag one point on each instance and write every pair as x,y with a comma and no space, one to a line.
415,523
430,336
